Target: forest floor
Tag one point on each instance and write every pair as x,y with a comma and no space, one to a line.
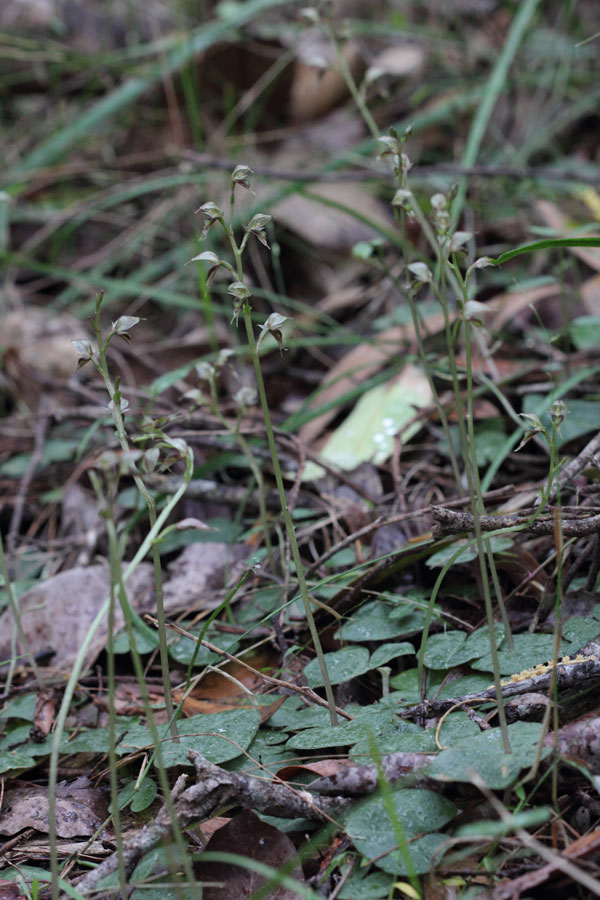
299,506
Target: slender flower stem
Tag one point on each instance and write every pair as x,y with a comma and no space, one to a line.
101,364
289,525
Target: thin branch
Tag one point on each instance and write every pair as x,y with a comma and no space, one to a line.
370,174
448,522
214,788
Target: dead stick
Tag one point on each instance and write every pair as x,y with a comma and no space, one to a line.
447,522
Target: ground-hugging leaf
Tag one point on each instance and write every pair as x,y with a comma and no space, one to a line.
407,689
585,332
186,649
144,796
453,648
14,760
436,560
349,662
390,740
479,640
19,739
19,708
578,630
459,687
217,736
342,665
420,812
484,755
371,721
529,649
272,756
294,715
387,652
374,886
583,417
447,649
92,740
380,621
404,736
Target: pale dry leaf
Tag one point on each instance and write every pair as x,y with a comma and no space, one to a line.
57,614
554,218
323,225
40,340
512,303
357,365
317,89
590,294
198,576
402,59
79,809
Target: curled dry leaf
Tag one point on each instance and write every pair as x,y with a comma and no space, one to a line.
80,809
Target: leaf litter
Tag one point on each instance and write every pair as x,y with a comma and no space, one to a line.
420,756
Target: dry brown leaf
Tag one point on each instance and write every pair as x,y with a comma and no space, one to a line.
43,717
511,889
326,227
216,692
58,613
198,574
512,303
324,768
315,91
37,342
590,294
249,836
79,810
10,891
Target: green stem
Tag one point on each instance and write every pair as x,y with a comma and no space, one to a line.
289,525
350,81
101,364
12,601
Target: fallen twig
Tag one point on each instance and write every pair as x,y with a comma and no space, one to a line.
215,788
448,521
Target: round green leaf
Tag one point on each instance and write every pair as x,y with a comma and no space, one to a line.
484,755
442,556
446,649
421,851
144,796
342,665
374,622
19,708
217,736
326,736
419,812
529,649
398,736
470,684
387,652
406,685
15,759
375,886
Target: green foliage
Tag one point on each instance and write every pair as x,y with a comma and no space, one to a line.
483,755
421,812
217,736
